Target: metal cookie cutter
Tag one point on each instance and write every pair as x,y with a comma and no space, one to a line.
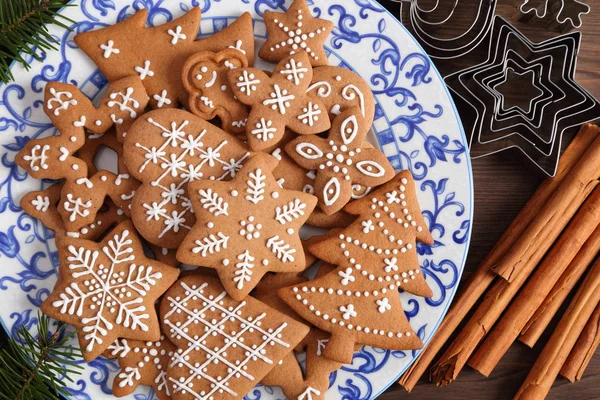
562,15
428,24
538,130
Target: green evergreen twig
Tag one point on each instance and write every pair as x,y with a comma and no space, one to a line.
36,367
23,29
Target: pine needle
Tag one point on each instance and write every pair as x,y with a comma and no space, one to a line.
33,367
24,32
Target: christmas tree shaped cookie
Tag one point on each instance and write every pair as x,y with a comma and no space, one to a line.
246,227
107,290
376,255
157,54
224,347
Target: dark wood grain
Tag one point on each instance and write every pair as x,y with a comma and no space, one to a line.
503,184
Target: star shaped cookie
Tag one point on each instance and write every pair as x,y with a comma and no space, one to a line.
294,31
341,160
107,290
246,227
278,101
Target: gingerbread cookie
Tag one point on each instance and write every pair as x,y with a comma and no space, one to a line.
166,149
156,55
341,160
141,363
279,101
205,79
340,89
376,256
72,113
294,31
107,290
224,347
246,227
43,205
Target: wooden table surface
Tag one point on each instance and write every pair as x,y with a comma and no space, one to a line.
503,184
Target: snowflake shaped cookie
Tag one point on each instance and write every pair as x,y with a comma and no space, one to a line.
224,347
156,54
294,31
141,363
107,290
165,150
279,101
205,79
246,227
341,160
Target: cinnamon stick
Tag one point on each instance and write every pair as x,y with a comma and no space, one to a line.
482,278
550,361
584,349
491,308
538,323
544,229
539,285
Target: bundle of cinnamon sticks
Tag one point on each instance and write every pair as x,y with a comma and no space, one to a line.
524,280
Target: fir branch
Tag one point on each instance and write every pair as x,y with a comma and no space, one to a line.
36,367
24,31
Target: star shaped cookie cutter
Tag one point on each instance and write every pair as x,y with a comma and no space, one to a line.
426,22
562,15
572,107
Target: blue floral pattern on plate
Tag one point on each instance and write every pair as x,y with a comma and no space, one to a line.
416,126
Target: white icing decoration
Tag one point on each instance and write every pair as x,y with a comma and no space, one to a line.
279,99
323,88
293,210
336,109
162,99
130,377
247,83
297,37
250,230
80,123
41,203
346,94
294,71
211,83
211,244
391,264
321,344
348,311
347,276
109,49
331,191
145,70
355,188
256,186
190,307
264,130
239,124
308,394
64,153
57,97
207,101
281,249
212,202
309,151
349,132
370,168
77,207
106,290
35,158
238,46
176,35
383,305
310,114
277,153
244,269
124,103
367,226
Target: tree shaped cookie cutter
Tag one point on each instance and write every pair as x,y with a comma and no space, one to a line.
425,21
474,86
563,15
